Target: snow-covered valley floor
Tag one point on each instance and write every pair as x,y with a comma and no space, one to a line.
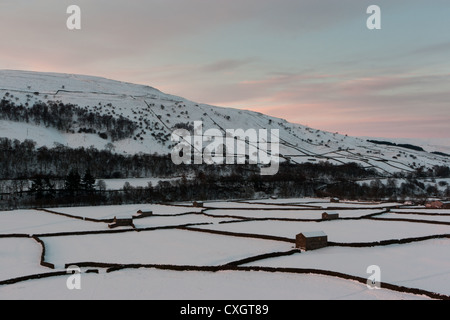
226,250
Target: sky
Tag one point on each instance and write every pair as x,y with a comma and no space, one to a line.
312,62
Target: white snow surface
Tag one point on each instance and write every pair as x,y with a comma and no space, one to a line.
39,222
242,205
419,211
19,257
345,231
282,213
415,217
158,221
177,247
126,211
151,284
423,265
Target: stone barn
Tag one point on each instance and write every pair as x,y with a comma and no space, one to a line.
311,240
142,214
121,223
197,204
330,216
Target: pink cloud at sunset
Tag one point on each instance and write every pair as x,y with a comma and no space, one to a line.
290,59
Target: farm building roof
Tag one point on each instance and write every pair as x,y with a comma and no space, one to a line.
314,234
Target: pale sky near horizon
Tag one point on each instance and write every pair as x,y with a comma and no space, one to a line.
312,62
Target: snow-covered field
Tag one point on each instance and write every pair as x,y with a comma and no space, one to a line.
424,211
19,257
354,205
221,252
243,205
419,265
283,213
345,231
174,247
127,211
442,218
227,285
38,222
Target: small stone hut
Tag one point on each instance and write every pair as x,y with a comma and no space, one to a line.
330,216
197,204
311,240
142,214
121,223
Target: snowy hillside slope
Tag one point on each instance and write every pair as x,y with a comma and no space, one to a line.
157,115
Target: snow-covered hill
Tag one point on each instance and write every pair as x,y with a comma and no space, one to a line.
157,114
